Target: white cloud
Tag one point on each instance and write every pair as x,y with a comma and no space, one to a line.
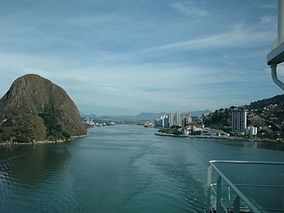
104,58
189,9
238,36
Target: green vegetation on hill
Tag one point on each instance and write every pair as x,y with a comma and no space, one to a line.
278,99
22,128
266,114
220,119
54,129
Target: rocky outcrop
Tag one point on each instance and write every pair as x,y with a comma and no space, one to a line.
41,108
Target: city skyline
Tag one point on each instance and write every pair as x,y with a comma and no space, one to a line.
122,58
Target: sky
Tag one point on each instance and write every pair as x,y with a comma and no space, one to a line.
125,57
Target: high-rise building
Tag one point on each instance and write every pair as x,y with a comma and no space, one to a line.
172,119
165,121
179,121
239,121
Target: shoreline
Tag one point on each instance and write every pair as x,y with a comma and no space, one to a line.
72,138
170,135
240,139
231,138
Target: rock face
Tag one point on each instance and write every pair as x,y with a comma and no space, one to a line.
43,106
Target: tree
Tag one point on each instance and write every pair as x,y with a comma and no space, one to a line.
54,129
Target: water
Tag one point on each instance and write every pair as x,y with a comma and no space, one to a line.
117,169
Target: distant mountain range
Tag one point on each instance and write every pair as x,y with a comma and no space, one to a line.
140,117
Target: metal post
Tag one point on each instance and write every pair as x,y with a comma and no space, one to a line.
209,178
237,205
219,195
229,193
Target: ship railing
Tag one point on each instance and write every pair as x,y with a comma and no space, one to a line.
245,186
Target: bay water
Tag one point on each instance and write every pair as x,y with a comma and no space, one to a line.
122,168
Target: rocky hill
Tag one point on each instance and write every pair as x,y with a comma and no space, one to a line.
36,109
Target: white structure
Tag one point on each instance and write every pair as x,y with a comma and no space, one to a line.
251,130
276,56
171,119
179,119
239,121
165,121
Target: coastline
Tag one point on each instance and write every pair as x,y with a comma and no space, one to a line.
231,138
170,135
72,138
238,139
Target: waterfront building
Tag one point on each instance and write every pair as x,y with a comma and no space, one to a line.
251,130
239,121
172,119
184,121
165,121
179,120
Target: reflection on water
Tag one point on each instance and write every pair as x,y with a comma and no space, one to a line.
35,163
275,146
26,173
259,145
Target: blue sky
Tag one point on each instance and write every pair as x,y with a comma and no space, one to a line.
125,57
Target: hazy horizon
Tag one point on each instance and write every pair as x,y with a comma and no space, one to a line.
132,115
126,57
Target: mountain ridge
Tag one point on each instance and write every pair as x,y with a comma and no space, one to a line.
141,116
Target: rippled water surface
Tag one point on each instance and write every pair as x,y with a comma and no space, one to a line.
117,169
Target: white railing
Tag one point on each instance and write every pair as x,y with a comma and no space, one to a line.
239,202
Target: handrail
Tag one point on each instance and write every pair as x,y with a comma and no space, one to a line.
234,186
237,191
247,162
252,185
